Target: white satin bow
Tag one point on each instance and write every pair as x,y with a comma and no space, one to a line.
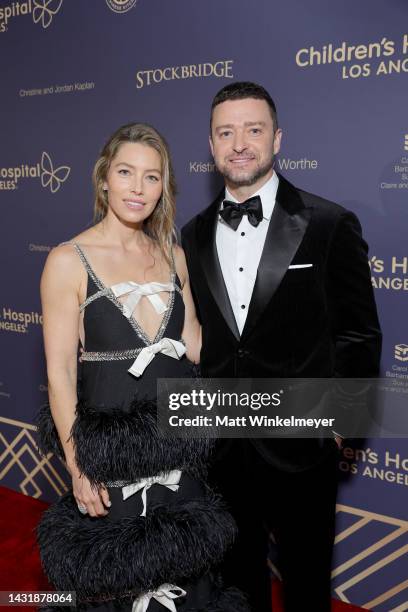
168,479
134,291
163,595
167,346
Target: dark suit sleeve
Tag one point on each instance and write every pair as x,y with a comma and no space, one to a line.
354,321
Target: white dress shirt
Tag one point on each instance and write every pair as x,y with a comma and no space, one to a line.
239,252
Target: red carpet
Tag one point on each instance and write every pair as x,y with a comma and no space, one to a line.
337,606
20,568
19,560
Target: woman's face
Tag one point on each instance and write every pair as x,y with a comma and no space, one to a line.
134,182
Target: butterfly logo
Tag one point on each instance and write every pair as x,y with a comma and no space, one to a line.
50,177
44,11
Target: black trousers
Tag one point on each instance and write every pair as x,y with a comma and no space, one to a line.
298,508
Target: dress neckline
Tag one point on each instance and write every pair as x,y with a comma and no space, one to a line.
103,285
107,291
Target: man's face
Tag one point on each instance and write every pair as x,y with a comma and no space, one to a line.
243,141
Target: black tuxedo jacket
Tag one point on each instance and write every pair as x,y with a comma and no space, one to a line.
318,321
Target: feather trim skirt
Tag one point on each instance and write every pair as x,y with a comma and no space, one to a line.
110,561
113,444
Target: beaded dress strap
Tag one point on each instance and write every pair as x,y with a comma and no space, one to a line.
102,289
88,268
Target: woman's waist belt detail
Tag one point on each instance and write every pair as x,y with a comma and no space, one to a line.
170,480
172,348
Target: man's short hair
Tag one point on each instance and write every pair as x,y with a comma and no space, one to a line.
240,90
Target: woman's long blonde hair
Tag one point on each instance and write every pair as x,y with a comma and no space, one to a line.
160,225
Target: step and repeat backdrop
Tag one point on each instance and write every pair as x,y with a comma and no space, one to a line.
75,70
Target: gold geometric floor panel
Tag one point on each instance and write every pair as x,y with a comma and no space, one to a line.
399,550
19,453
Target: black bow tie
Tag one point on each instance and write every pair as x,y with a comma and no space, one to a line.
232,212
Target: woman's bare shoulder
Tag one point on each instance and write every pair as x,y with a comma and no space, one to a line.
65,254
63,268
63,259
180,262
178,253
88,237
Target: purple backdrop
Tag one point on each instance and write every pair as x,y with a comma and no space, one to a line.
74,71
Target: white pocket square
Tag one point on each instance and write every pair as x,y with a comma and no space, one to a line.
297,266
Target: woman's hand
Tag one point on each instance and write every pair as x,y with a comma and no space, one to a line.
96,501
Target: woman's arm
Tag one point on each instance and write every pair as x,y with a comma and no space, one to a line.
192,329
60,287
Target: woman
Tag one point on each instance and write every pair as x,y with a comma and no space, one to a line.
140,530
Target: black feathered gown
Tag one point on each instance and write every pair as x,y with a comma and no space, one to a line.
158,543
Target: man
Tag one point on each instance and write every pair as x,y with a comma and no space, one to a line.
282,287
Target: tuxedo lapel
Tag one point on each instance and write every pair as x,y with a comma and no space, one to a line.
207,246
287,227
